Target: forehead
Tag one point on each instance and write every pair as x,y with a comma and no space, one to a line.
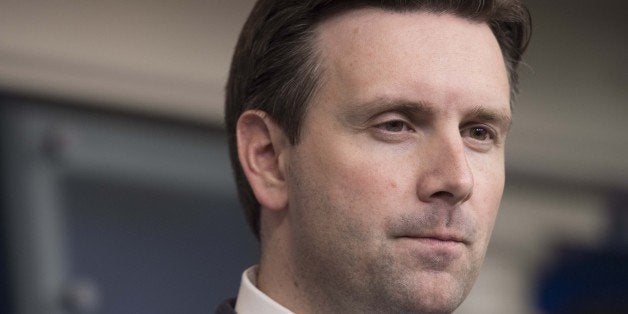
377,53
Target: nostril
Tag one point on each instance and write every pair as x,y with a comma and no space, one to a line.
442,194
451,197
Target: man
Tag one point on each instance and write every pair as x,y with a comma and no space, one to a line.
367,139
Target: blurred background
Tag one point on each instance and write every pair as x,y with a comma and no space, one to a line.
117,194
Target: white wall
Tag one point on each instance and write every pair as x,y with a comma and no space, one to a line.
570,122
157,57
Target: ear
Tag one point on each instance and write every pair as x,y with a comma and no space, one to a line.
262,149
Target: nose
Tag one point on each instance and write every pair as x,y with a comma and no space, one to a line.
445,175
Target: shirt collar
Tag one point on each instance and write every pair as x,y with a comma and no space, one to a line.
252,300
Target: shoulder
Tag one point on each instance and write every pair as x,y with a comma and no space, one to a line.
226,307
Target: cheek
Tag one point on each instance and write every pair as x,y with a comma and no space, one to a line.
487,194
366,177
488,174
356,181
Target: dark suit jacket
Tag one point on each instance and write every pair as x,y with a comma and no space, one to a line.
226,307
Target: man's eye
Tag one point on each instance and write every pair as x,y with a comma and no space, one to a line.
478,133
394,126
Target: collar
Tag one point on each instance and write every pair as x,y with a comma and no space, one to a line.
252,300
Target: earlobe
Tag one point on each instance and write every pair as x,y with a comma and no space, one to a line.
262,145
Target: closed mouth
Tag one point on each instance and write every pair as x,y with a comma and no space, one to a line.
445,238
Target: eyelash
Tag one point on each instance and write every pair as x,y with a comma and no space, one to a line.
395,123
395,127
491,135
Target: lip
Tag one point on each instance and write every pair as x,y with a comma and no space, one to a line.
435,252
437,238
437,242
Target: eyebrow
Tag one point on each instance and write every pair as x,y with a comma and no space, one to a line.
502,120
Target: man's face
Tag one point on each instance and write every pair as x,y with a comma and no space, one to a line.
398,175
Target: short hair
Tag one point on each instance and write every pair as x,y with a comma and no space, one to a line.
275,67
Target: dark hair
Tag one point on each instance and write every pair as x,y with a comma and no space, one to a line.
275,67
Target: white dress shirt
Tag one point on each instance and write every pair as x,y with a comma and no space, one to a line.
251,300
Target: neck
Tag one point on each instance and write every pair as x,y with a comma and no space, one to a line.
282,279
277,273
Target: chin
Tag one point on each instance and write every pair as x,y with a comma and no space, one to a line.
431,305
436,292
